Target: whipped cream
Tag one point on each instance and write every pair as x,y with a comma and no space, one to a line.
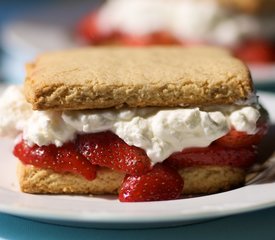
14,112
46,127
185,19
244,120
159,131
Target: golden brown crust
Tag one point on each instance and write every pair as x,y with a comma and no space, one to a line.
197,180
35,180
91,78
211,179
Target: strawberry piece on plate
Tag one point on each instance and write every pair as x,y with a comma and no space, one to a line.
161,183
59,159
213,155
108,150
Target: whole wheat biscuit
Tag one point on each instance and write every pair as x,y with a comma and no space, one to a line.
197,180
105,77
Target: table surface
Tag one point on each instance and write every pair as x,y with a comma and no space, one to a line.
254,225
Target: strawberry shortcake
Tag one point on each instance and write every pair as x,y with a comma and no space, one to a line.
147,124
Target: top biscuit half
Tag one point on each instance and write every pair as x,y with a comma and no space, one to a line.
92,78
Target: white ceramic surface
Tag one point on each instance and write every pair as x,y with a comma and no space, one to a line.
263,73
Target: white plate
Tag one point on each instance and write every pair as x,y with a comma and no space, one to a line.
263,73
107,212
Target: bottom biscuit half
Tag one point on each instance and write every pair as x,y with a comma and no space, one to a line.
197,180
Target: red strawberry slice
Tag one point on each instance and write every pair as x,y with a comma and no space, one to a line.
89,31
256,51
72,161
162,38
213,155
108,150
59,159
161,183
133,40
35,155
236,139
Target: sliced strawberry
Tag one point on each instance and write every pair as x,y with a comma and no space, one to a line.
236,139
256,51
161,38
42,156
108,150
62,159
161,183
164,38
89,31
70,160
213,155
132,40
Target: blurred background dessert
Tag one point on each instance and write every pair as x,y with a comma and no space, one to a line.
30,27
244,26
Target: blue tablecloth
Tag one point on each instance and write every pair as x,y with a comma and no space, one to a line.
254,225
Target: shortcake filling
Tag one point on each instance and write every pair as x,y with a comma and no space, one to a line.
186,20
149,145
159,132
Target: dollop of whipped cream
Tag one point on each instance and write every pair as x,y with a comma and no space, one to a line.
159,131
14,112
185,19
47,127
244,119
